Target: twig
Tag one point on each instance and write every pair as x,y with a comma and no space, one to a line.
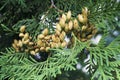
53,5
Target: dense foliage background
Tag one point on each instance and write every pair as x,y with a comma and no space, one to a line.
39,14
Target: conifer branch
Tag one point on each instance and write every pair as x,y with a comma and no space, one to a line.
104,59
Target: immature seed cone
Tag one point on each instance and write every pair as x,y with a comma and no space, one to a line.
57,40
42,49
94,31
83,39
22,29
62,36
68,15
64,44
39,43
14,46
56,45
36,50
82,19
45,31
47,37
62,22
76,25
30,43
15,42
47,49
58,27
89,36
53,38
40,36
20,43
21,35
32,52
70,25
57,32
84,28
63,33
52,44
26,36
25,41
64,17
66,28
85,11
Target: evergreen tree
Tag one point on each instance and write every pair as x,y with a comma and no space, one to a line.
45,40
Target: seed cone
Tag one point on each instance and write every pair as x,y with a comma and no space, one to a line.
15,42
85,11
47,37
70,25
87,32
40,36
58,27
84,28
21,35
30,43
32,52
26,41
26,36
47,49
89,36
20,43
64,44
66,28
53,38
82,18
22,29
64,17
36,50
76,25
39,43
68,15
45,31
42,49
57,32
14,46
62,22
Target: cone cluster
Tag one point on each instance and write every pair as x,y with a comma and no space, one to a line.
86,33
25,44
80,26
44,41
67,23
87,30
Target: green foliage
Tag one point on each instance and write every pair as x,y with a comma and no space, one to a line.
104,62
19,66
